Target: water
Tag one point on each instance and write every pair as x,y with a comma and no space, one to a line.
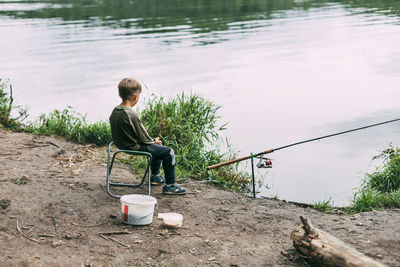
283,71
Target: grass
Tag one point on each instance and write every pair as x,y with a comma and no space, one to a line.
21,180
190,125
324,205
7,120
380,189
72,126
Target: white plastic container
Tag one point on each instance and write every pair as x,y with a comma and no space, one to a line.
171,219
137,209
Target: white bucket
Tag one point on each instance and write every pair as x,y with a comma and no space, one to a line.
137,209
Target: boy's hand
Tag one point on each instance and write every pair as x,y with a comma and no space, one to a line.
158,141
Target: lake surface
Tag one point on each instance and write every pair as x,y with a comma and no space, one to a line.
284,71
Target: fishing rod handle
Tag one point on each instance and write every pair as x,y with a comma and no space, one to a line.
227,163
238,159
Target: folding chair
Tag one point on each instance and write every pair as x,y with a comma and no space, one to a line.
110,163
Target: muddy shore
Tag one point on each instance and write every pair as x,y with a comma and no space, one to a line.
54,209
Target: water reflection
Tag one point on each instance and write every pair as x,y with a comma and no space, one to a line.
163,16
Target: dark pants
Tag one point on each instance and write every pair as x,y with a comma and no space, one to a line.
162,154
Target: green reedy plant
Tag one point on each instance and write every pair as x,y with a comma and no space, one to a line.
72,126
189,124
324,205
381,188
386,178
7,107
367,199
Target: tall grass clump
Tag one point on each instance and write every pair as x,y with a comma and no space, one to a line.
7,120
72,126
324,205
381,188
189,125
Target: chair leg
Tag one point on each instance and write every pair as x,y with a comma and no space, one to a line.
109,183
109,168
149,174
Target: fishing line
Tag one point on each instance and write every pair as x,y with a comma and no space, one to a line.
267,162
299,143
335,134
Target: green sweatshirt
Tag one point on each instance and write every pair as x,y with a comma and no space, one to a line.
127,130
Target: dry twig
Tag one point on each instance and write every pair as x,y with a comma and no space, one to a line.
46,235
27,237
116,241
125,232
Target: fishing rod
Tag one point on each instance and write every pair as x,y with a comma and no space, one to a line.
267,162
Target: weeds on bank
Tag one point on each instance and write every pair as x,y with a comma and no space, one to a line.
187,123
324,205
7,120
72,126
21,180
380,189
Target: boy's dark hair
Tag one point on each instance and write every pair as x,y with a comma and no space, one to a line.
128,87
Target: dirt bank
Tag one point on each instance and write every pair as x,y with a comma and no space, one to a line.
54,191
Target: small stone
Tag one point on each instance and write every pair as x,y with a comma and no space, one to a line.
212,259
359,224
353,218
68,212
56,243
68,237
379,256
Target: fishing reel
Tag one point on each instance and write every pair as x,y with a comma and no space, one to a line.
264,163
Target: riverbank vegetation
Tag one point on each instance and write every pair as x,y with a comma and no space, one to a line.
380,189
190,125
8,109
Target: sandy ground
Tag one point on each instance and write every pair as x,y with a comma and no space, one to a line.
54,208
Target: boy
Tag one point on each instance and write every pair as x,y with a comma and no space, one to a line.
128,132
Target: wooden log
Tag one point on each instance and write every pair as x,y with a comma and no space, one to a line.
326,250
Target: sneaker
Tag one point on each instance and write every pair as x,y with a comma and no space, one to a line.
157,180
173,189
